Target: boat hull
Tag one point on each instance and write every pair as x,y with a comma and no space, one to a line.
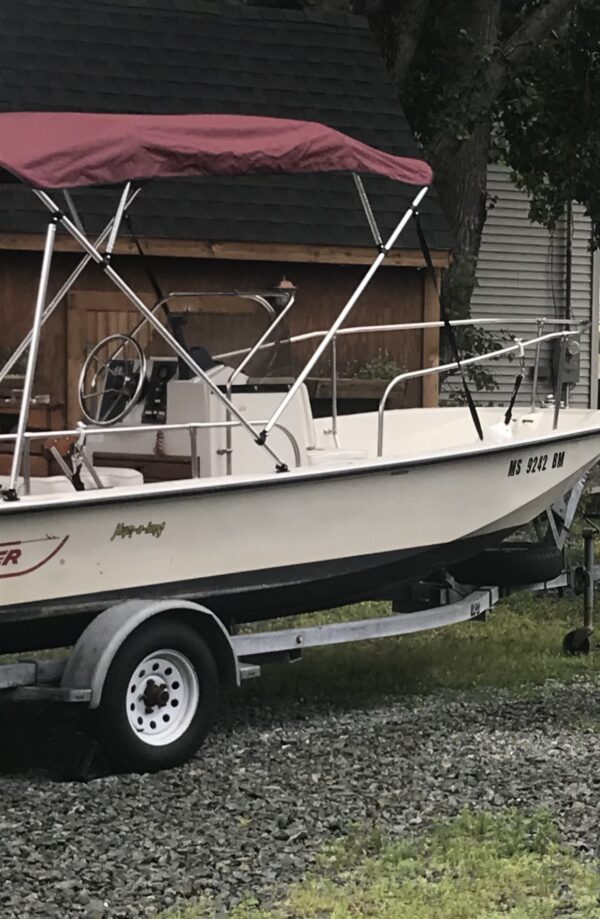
253,597
269,546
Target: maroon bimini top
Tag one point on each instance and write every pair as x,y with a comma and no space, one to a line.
75,149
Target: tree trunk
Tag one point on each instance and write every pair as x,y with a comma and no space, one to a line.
459,153
460,162
397,26
461,183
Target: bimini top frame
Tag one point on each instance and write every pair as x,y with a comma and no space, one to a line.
74,150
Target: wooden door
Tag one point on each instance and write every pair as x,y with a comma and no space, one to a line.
91,316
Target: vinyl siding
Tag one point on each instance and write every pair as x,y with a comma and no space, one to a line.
521,273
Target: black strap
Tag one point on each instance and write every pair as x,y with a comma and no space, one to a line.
448,328
513,398
146,263
76,481
185,372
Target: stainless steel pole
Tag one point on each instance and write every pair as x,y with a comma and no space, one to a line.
155,323
341,318
74,212
536,366
334,412
559,381
26,466
367,209
117,222
194,452
11,493
20,351
588,597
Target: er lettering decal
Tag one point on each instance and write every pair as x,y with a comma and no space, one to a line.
9,556
24,556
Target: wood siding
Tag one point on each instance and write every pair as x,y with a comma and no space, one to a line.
395,295
240,251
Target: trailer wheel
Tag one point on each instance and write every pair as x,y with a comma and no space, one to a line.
159,698
577,643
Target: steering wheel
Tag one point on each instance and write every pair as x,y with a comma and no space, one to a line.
109,386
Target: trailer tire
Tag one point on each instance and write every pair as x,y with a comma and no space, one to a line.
510,564
159,698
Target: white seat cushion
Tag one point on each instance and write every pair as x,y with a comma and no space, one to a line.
60,484
113,477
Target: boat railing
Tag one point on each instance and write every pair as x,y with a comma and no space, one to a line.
229,424
396,327
541,322
82,432
263,343
93,253
255,296
518,347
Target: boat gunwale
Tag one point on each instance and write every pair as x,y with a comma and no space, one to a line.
186,487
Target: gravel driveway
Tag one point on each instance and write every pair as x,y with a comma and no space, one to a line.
271,786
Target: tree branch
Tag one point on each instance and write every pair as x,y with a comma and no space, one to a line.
518,48
478,92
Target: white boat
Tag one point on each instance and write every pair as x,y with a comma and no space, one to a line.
282,512
258,545
321,511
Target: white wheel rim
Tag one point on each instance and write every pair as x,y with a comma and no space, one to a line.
162,697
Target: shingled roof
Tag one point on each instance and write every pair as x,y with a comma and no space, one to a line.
177,56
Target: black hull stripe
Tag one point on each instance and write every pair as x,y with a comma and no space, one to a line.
245,597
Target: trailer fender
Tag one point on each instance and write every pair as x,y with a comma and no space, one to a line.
96,647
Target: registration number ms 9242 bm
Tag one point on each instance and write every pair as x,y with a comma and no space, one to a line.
538,463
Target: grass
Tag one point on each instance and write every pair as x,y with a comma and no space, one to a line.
520,646
478,866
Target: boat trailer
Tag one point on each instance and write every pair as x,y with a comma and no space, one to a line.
81,676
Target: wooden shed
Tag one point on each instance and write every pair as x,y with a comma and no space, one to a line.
247,233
